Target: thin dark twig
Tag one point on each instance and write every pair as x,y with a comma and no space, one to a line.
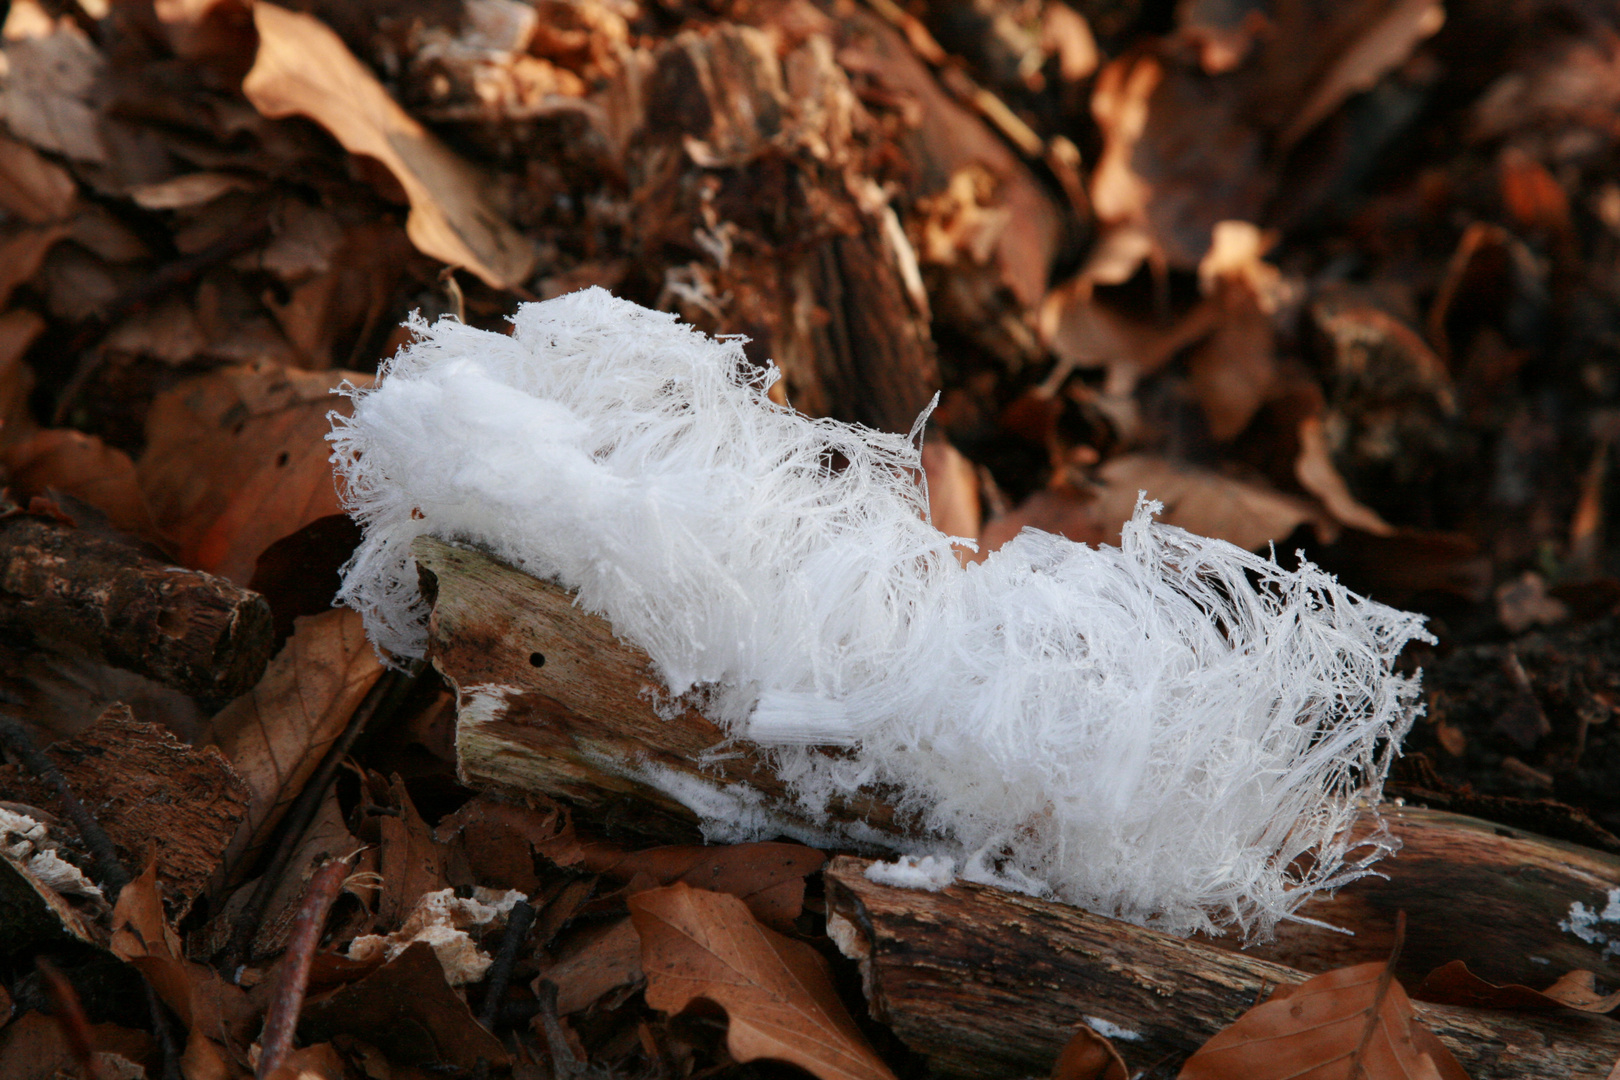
163,1031
110,872
384,695
518,923
281,1019
563,1062
68,1013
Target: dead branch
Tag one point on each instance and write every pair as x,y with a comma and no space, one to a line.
66,587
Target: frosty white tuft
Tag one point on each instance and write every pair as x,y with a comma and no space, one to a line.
1175,732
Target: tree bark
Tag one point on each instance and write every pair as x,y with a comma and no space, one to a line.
987,983
550,701
61,586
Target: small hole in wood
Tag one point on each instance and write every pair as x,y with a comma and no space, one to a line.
537,659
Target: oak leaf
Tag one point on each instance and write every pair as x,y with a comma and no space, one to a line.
777,992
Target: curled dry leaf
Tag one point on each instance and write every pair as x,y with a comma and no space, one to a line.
209,1007
1316,473
1454,984
237,459
1352,1022
777,993
303,68
278,732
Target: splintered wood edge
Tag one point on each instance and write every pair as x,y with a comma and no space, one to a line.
550,700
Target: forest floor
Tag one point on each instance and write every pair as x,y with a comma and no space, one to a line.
1334,278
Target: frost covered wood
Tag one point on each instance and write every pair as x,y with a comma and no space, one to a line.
1175,732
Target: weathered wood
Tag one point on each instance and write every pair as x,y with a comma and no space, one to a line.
1471,891
159,800
550,701
986,983
61,586
581,726
749,165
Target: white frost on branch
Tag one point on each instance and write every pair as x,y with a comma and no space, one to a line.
1175,732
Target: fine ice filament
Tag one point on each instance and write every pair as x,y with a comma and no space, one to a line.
1175,732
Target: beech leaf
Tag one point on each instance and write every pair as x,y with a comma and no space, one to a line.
777,992
1351,1022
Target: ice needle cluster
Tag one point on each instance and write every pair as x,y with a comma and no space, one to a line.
1175,732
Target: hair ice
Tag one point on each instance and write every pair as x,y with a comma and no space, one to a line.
1175,731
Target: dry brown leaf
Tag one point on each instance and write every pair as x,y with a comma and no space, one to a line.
407,1007
777,993
1233,371
276,734
209,1008
953,489
768,877
33,188
1089,1056
187,190
1355,1021
18,330
411,862
1383,43
36,1047
327,838
1242,512
303,68
22,253
237,459
498,839
1316,473
1454,984
50,81
1119,102
84,467
594,964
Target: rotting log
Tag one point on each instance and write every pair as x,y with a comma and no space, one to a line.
66,587
550,701
987,983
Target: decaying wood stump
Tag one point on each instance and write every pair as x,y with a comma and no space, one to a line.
550,701
61,586
987,983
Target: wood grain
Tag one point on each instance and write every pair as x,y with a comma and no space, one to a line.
987,983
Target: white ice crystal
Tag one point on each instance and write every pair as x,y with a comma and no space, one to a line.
1175,731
